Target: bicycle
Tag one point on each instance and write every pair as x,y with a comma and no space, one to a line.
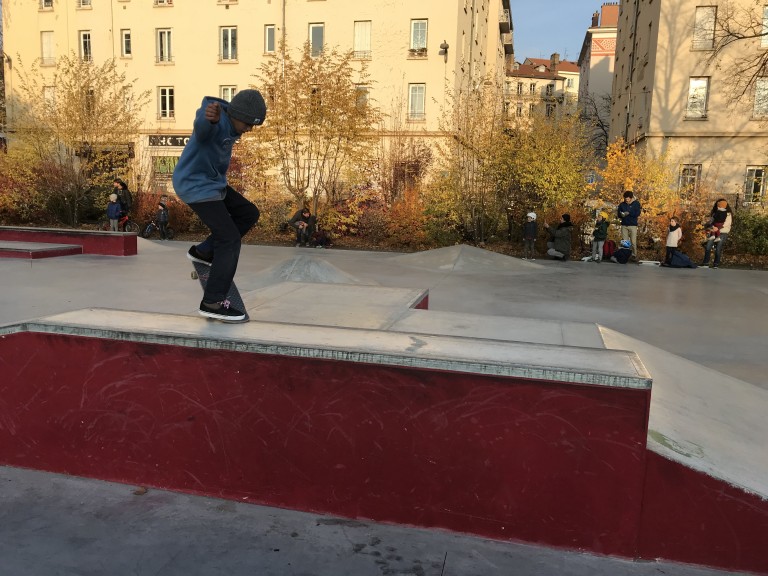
124,224
152,226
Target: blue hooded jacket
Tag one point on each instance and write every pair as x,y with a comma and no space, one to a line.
201,173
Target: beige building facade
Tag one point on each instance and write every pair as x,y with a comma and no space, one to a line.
669,96
541,86
182,50
598,51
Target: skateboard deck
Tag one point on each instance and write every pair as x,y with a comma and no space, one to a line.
201,272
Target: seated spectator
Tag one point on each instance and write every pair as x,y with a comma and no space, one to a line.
559,247
303,222
624,253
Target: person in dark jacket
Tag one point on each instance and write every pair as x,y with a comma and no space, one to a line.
113,212
623,254
559,246
629,211
124,197
599,234
530,231
303,222
162,220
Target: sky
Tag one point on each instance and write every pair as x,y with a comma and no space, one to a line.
542,27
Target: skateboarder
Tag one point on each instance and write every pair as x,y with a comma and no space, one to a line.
200,180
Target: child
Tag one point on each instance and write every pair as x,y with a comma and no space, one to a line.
717,221
599,234
674,235
162,220
530,231
200,180
624,253
113,212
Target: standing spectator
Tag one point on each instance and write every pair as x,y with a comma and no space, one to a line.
530,231
162,220
124,197
113,212
200,180
599,234
674,235
720,208
559,246
302,221
629,211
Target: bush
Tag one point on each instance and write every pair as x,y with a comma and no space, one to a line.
749,233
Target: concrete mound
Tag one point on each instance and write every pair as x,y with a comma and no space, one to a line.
467,259
303,269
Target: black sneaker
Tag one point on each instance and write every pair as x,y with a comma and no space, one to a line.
196,256
222,311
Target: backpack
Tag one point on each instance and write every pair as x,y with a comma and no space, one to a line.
609,247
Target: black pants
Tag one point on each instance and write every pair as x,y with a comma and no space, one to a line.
670,254
228,220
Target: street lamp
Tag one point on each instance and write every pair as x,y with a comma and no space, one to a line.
444,50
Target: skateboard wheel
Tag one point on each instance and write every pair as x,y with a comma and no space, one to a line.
194,275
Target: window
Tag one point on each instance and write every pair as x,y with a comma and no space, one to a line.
689,179
760,109
764,37
164,53
269,38
47,57
83,3
316,39
569,83
125,43
49,96
361,95
86,54
531,109
46,4
550,110
163,2
519,88
228,43
519,111
550,89
165,105
227,92
362,40
704,28
532,88
698,89
754,185
418,34
416,101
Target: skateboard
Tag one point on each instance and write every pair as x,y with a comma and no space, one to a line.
201,272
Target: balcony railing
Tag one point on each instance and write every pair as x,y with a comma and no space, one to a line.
362,54
417,116
417,53
506,40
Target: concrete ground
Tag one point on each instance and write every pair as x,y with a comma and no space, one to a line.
51,524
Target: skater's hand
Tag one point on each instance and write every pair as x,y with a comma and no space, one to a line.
213,112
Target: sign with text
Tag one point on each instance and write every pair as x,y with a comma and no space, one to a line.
160,140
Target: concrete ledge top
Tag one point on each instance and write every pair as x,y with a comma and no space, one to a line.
63,231
612,368
35,246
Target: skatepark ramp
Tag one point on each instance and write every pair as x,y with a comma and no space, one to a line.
536,432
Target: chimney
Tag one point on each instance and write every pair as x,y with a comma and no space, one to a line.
554,60
595,19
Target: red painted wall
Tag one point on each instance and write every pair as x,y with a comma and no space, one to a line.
691,517
554,463
92,241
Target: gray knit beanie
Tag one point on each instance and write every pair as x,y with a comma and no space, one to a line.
248,106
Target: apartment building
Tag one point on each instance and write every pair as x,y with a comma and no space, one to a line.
182,50
596,59
668,95
550,86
